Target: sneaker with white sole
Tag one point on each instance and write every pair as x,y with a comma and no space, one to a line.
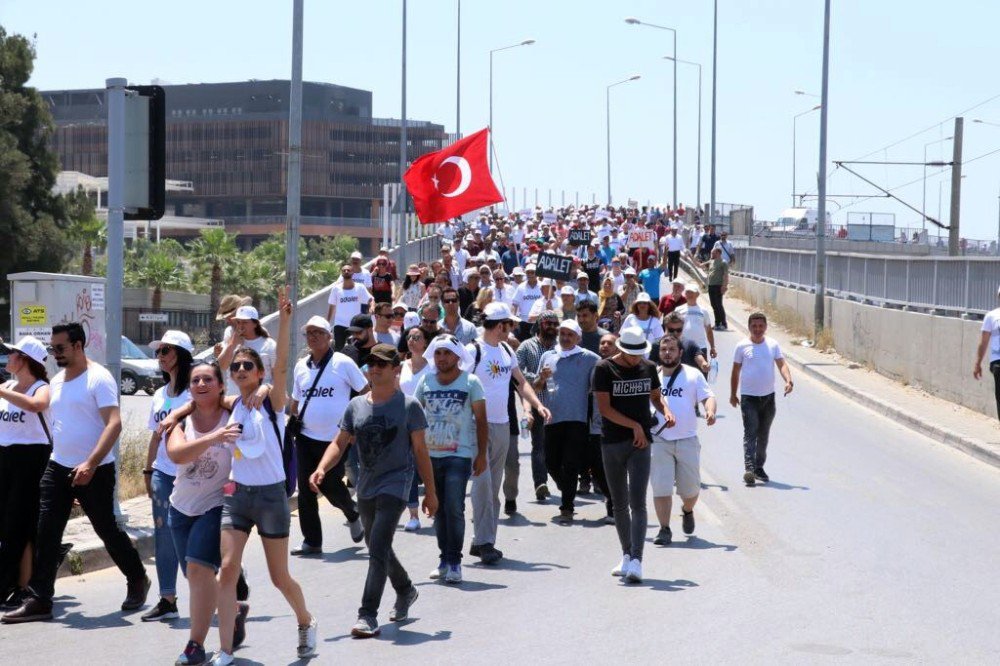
193,655
223,659
365,627
412,525
164,610
401,609
622,567
454,575
634,573
357,530
440,572
307,639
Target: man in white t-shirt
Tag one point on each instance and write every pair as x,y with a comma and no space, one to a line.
697,321
674,245
318,405
525,296
990,339
460,254
495,364
753,377
360,274
347,299
676,451
85,424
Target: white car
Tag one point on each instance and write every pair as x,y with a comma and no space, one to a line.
139,371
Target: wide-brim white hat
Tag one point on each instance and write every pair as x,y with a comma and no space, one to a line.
632,341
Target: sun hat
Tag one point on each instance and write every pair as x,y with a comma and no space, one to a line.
175,339
643,297
229,304
633,342
247,312
29,346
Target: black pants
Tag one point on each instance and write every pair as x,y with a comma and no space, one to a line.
564,447
97,501
21,469
673,264
339,337
309,452
758,414
718,309
593,465
995,369
380,516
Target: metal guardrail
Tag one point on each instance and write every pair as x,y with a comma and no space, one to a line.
306,219
946,285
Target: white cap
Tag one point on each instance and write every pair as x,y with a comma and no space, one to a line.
356,255
517,271
530,267
316,322
498,311
469,272
628,271
175,339
582,276
692,287
451,343
678,281
632,341
572,325
567,291
548,282
642,297
30,347
246,312
410,319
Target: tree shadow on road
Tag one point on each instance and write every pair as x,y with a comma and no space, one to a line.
697,543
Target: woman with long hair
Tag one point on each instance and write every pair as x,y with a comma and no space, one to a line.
411,370
609,305
25,447
249,334
413,288
173,353
646,317
474,312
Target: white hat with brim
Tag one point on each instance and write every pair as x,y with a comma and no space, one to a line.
632,341
567,291
247,312
29,346
174,339
451,343
643,297
692,287
316,322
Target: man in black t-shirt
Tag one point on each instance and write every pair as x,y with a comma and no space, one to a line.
624,386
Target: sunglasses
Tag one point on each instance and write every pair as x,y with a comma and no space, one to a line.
384,316
246,366
449,300
163,350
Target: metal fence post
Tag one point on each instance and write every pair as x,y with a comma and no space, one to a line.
934,291
968,269
908,262
885,278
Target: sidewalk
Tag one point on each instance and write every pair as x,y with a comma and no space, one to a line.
971,432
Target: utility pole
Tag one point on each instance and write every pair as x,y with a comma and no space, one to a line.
401,201
821,217
293,203
956,189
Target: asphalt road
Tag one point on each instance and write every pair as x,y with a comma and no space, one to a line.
871,544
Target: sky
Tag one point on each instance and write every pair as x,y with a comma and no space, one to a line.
899,70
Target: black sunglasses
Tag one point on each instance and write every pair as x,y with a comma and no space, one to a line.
163,350
247,366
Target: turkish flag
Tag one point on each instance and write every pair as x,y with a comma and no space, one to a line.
453,180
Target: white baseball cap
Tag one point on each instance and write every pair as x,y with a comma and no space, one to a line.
517,271
643,297
246,312
628,271
572,325
316,322
530,267
30,347
498,311
582,276
356,255
410,319
692,287
567,291
175,339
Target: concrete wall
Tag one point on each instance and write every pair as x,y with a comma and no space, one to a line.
926,351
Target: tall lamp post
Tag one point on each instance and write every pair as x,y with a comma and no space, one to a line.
820,305
526,42
458,74
607,95
795,120
631,20
698,65
715,68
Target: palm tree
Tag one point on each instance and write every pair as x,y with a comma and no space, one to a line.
214,249
85,227
159,271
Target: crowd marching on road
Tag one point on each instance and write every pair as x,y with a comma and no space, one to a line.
426,376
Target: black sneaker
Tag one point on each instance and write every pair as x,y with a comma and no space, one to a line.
15,599
475,550
32,610
489,555
748,478
164,610
510,507
193,655
136,594
242,586
687,521
240,628
664,537
401,609
761,475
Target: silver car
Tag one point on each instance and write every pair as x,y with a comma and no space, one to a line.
139,371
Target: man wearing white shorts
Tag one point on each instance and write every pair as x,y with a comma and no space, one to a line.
676,455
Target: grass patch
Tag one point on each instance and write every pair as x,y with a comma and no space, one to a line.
131,461
786,318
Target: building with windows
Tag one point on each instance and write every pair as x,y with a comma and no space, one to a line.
230,141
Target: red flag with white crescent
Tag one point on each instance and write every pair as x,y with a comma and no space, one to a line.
453,180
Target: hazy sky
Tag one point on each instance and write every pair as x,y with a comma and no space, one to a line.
897,67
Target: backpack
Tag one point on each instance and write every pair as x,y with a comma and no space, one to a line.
287,445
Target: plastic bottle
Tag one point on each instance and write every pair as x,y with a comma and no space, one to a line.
713,370
525,432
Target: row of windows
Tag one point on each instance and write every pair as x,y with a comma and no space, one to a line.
221,111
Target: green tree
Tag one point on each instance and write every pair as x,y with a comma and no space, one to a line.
159,271
85,229
32,219
214,251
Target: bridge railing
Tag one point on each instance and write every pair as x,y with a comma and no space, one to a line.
946,285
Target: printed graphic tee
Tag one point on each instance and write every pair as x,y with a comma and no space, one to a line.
629,389
451,425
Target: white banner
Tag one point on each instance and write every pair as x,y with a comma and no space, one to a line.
645,238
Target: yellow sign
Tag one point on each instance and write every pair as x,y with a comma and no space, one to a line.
32,315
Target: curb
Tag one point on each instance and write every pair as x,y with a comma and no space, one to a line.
95,556
968,445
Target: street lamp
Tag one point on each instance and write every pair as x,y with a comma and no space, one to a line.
698,65
923,205
526,42
631,20
794,130
607,91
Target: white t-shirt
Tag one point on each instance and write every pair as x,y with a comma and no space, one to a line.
991,325
757,373
494,371
506,295
695,320
162,405
695,239
347,302
727,250
688,390
76,418
673,243
363,277
19,426
461,257
541,305
524,296
329,400
408,380
652,327
198,486
267,468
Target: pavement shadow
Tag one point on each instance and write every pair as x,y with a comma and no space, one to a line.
342,555
595,522
777,485
77,620
707,486
528,567
697,543
398,634
665,585
520,520
465,586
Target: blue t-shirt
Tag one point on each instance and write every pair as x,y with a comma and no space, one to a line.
451,425
650,278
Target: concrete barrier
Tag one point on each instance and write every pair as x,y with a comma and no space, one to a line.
929,352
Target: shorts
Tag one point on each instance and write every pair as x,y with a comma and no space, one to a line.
263,506
196,538
676,462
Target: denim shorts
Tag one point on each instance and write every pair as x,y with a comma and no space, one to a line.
263,506
196,538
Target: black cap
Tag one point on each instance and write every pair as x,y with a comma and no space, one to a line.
360,322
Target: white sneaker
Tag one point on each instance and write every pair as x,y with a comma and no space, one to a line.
412,525
634,573
454,575
223,659
622,567
440,572
307,639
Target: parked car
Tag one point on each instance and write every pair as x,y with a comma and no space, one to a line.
139,371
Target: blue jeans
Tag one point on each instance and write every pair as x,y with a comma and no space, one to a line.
451,479
163,540
197,538
413,501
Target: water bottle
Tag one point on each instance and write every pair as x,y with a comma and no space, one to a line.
713,370
525,433
550,383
